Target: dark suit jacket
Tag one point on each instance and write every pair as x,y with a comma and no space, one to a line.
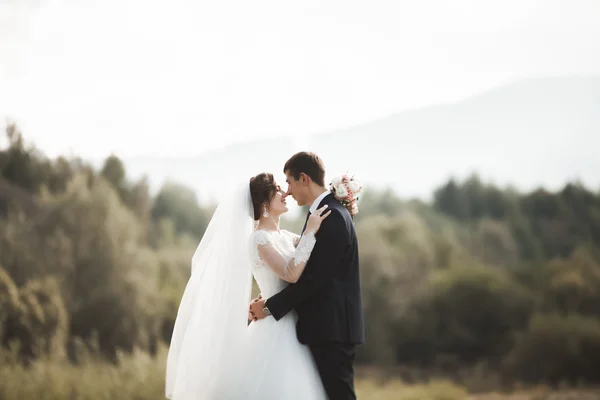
327,297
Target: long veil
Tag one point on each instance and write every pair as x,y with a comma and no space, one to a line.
212,315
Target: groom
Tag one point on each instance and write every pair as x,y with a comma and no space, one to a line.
327,297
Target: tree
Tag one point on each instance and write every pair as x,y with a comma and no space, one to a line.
179,203
572,285
22,166
494,243
113,171
33,318
450,199
555,349
470,313
95,245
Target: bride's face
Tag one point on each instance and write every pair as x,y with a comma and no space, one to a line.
278,205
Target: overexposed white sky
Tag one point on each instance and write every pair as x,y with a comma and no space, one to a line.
181,77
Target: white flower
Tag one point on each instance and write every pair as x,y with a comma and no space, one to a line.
341,191
336,181
354,186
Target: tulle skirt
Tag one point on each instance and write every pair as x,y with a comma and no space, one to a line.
270,364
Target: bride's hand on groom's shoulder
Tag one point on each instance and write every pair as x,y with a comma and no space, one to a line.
314,220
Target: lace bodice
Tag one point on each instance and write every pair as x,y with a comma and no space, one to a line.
280,258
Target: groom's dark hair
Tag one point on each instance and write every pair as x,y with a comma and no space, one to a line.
306,162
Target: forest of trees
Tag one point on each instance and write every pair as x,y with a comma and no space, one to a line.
481,277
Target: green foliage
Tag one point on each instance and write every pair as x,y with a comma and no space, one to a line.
91,263
180,204
473,200
557,348
114,172
450,200
135,376
77,262
34,318
477,309
21,164
494,244
135,196
9,302
543,223
379,202
173,272
140,377
108,267
397,256
468,315
572,285
8,291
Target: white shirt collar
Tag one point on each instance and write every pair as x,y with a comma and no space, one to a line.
317,201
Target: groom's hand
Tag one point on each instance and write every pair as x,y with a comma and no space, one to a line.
352,208
256,309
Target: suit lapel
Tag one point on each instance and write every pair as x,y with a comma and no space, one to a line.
305,222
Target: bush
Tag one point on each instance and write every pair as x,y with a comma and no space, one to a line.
36,320
572,285
557,348
470,314
9,302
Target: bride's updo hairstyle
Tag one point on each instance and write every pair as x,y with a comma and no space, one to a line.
262,191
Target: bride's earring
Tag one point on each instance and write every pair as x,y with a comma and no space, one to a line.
266,213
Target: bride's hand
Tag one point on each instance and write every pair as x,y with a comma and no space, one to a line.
314,221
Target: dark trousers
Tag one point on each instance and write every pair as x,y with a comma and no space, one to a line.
335,364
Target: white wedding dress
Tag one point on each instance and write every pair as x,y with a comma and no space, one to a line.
274,364
214,354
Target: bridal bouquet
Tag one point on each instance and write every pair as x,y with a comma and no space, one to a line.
346,188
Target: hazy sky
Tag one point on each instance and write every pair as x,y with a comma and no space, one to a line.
181,77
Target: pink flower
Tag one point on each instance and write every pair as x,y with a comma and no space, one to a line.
346,189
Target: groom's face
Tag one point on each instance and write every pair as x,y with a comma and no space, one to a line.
296,188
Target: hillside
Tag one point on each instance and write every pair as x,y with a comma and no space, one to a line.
530,133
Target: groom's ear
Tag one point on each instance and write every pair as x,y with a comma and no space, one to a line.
305,179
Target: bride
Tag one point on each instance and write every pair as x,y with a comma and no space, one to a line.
214,353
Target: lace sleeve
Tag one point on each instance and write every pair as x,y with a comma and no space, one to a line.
290,269
295,238
260,238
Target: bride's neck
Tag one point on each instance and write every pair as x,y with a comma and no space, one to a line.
269,224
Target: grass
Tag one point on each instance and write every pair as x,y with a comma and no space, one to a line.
141,377
137,377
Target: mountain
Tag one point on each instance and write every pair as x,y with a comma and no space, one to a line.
531,133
